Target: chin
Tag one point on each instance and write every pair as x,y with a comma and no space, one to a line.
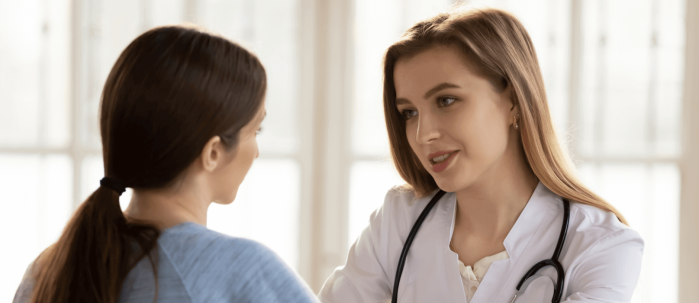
454,183
227,200
447,186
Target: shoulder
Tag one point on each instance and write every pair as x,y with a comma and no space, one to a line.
218,267
401,208
399,197
602,252
598,231
592,220
24,291
193,245
404,202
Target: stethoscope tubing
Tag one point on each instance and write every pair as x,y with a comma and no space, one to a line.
409,241
558,288
560,279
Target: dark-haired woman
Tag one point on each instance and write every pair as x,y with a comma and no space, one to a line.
504,218
179,116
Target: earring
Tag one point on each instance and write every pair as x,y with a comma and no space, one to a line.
514,118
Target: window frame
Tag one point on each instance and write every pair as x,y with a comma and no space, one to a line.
325,156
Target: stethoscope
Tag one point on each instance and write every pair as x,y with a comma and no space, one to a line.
558,288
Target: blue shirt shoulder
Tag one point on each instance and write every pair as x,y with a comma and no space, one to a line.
196,264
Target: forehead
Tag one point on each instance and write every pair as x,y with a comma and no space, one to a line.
259,116
438,64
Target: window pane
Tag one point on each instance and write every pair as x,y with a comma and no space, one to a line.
35,205
34,73
164,12
369,183
631,78
276,44
670,66
266,208
648,196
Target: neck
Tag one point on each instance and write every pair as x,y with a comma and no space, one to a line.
489,208
167,207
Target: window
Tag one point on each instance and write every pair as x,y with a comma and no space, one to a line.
613,69
36,156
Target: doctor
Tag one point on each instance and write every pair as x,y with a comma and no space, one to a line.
466,112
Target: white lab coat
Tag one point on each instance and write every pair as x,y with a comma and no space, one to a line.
601,256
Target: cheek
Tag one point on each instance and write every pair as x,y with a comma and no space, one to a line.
410,133
248,151
482,132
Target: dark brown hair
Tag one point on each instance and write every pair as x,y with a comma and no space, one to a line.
170,91
498,48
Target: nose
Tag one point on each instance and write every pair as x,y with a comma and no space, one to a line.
427,128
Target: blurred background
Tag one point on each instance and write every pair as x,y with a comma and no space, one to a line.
621,77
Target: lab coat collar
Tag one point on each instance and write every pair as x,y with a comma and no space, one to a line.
451,267
541,203
538,207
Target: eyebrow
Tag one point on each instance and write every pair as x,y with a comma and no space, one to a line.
430,92
439,87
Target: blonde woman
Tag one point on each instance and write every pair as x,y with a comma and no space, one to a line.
493,211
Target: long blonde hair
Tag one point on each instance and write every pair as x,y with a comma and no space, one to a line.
499,49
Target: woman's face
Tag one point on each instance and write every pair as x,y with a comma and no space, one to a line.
232,173
457,124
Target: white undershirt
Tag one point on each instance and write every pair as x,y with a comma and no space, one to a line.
472,277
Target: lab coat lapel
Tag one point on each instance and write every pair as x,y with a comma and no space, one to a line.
451,267
435,277
504,273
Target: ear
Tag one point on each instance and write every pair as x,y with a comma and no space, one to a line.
212,155
509,95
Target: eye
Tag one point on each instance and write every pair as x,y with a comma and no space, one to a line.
445,101
408,113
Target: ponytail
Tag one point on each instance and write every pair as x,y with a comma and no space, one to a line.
93,255
170,91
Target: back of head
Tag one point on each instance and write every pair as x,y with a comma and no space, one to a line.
499,49
170,91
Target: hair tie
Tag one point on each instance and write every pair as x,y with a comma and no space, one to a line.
113,184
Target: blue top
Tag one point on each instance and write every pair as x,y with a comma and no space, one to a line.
200,265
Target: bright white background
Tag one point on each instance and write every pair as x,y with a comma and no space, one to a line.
613,72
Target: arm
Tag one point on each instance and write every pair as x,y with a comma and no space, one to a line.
610,270
363,278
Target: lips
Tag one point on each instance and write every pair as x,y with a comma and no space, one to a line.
440,160
439,153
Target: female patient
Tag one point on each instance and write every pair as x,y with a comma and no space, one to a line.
179,117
